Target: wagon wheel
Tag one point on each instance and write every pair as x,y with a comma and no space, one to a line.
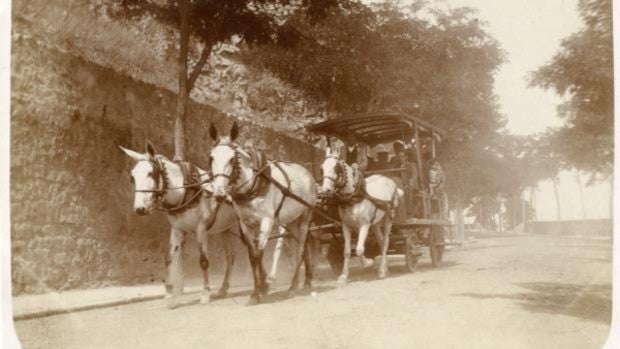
412,252
436,241
335,255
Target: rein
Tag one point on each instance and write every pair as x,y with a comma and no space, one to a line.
359,192
263,172
340,181
160,175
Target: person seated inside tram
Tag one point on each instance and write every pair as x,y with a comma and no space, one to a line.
408,175
355,153
405,162
382,161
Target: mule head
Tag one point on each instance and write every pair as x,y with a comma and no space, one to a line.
146,178
332,171
223,161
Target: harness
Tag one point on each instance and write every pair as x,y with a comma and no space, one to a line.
261,177
359,191
192,183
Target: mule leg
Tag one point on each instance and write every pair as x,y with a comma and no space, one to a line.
174,266
276,257
359,250
309,261
387,227
252,255
346,232
266,228
301,232
227,240
205,296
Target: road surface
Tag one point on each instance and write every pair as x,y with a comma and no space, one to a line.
508,292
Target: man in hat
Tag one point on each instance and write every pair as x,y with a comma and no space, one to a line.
436,182
408,175
382,161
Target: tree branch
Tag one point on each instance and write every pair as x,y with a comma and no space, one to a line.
206,52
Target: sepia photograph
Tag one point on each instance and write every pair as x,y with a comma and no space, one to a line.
308,174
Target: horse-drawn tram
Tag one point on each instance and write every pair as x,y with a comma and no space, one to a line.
415,211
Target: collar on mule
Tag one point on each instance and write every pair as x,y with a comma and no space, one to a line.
192,183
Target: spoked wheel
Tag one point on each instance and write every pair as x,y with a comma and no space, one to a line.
335,255
412,252
436,244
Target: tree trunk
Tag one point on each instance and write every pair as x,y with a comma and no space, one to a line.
532,208
523,216
584,223
183,92
556,182
460,221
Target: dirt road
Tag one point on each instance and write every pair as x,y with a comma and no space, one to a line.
510,292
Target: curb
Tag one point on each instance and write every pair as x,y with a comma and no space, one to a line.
75,309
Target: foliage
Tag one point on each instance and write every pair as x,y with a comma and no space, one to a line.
212,23
438,65
582,70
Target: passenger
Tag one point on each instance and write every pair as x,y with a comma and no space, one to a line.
436,177
356,153
436,182
382,162
408,176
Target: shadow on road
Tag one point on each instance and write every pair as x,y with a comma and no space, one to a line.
396,271
272,297
589,302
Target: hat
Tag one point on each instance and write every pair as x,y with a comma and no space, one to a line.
398,147
382,148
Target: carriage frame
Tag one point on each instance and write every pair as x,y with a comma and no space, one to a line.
410,234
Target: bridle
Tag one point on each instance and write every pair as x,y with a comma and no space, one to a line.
162,185
160,176
236,168
340,181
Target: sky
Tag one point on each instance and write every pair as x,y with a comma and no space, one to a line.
530,32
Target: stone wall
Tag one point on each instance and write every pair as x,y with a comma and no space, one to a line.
71,197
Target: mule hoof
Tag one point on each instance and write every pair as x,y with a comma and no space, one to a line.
343,279
173,304
264,289
205,299
307,285
367,263
271,280
291,293
254,300
223,292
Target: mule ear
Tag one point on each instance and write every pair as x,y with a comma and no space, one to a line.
213,132
234,131
132,154
150,149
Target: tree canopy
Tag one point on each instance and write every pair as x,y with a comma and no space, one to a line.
582,70
434,64
213,22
